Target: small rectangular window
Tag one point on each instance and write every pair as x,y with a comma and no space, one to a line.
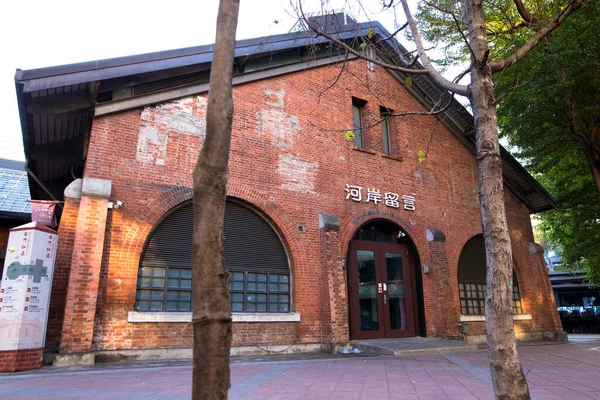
384,115
357,115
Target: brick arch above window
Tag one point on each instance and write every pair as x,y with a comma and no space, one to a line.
254,255
158,206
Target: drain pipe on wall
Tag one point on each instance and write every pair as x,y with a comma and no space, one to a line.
35,178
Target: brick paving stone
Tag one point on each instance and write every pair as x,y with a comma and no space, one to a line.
564,371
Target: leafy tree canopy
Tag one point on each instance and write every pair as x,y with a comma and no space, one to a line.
555,85
541,100
442,21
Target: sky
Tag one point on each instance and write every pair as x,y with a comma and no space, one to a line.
45,33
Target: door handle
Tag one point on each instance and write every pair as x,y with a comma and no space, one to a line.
385,287
384,299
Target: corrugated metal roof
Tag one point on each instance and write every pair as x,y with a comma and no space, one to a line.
14,189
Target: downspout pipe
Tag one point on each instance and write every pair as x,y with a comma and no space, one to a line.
35,178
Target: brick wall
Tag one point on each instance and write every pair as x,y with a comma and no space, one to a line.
21,360
84,276
290,159
62,268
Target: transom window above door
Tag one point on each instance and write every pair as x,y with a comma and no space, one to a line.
381,231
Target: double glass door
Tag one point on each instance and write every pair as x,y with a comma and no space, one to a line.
382,295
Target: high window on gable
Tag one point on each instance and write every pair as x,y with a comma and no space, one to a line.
384,115
358,107
254,255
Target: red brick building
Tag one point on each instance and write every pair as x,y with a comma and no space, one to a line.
329,238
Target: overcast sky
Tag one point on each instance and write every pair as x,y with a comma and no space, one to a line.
44,33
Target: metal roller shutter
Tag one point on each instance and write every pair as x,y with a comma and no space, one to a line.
251,244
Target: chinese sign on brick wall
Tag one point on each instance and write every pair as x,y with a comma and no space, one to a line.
393,200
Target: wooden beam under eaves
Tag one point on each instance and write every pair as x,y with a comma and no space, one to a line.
63,103
65,152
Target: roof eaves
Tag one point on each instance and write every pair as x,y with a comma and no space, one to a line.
53,77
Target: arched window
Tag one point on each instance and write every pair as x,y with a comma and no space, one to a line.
254,255
472,280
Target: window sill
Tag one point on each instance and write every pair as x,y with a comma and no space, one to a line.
364,150
134,316
373,152
391,157
481,318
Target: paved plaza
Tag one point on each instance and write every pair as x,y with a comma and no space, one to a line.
554,371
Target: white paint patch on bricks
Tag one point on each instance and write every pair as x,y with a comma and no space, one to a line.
281,128
274,98
186,116
274,122
152,145
297,174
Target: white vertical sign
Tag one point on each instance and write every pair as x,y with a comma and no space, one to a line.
26,286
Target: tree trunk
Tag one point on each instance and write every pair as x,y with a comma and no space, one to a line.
507,373
211,315
576,126
594,165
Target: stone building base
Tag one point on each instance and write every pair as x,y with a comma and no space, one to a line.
180,353
555,336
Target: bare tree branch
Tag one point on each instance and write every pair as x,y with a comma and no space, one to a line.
435,110
462,34
438,8
337,78
530,44
431,137
432,72
524,12
358,53
512,88
513,29
391,35
461,75
429,70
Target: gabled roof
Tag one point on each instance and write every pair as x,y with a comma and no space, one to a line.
57,104
14,190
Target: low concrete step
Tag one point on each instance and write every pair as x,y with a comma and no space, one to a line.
414,345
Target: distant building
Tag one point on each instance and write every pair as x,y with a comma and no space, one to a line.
553,260
570,288
14,208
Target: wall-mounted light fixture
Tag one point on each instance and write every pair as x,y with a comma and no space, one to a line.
115,205
435,235
329,222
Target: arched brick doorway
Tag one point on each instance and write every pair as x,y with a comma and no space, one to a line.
382,282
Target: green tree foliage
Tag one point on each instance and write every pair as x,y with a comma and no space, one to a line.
550,111
573,226
442,22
